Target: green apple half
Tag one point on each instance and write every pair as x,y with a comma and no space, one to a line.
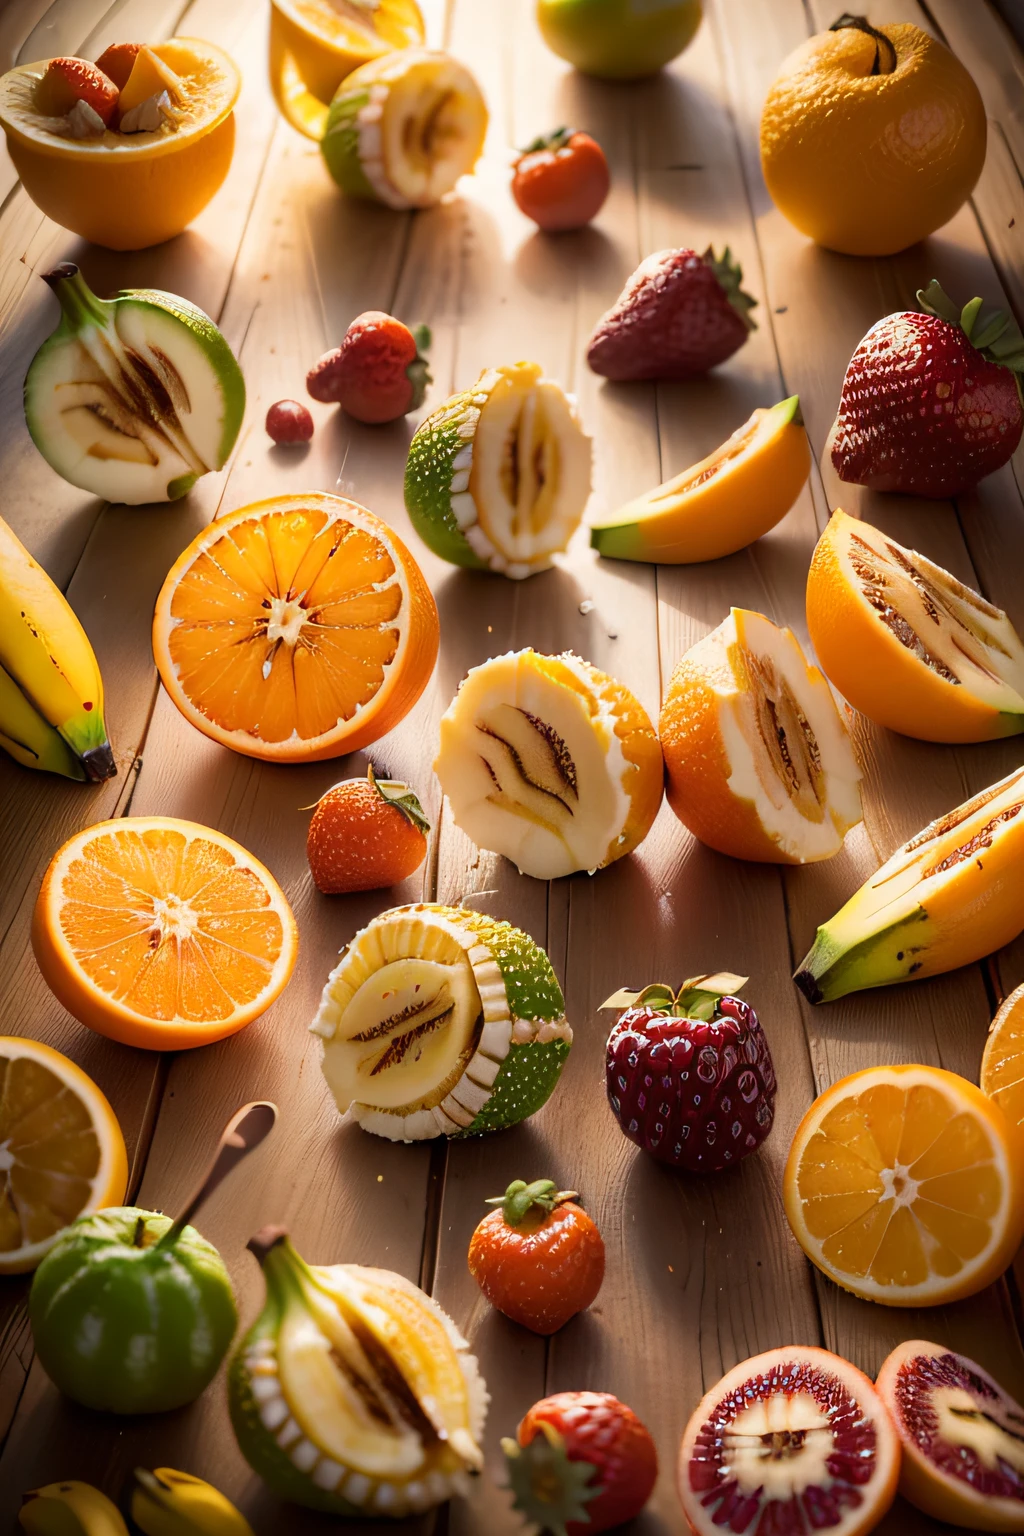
618,39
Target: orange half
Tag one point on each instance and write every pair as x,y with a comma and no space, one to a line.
295,629
161,933
1002,1065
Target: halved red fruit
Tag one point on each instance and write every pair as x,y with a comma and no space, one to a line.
962,1436
791,1441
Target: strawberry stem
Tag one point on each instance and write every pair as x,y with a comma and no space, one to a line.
730,275
556,139
393,792
848,22
519,1199
998,338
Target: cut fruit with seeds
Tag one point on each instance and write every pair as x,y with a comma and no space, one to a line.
905,1185
909,645
790,1441
439,1021
759,762
550,762
498,477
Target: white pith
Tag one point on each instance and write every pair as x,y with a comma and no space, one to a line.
346,1452
782,1414
96,437
412,946
956,628
815,828
416,96
504,817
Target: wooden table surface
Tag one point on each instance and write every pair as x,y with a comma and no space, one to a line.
701,1272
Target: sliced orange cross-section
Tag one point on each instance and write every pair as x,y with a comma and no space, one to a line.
1002,1066
162,933
905,1185
295,629
61,1150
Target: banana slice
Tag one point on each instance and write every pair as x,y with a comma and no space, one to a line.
439,1021
550,762
403,128
498,477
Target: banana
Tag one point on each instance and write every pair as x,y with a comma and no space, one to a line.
44,648
169,1503
70,1509
28,738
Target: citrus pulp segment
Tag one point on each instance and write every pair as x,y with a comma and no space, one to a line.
550,762
1002,1065
909,645
403,128
719,505
315,44
949,896
759,763
295,629
440,1021
162,933
129,190
62,1154
905,1185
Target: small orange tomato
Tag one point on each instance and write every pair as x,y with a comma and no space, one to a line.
561,180
366,834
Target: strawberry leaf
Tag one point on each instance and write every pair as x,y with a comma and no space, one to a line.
392,792
546,1486
730,275
997,338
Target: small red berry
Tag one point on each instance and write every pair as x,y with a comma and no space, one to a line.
69,80
561,180
540,1258
288,421
366,834
379,372
118,61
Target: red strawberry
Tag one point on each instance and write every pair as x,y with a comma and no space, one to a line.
540,1258
378,373
365,834
679,315
689,1075
931,402
581,1462
118,61
69,80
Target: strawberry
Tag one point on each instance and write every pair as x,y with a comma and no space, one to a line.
931,402
540,1258
70,80
679,315
581,1462
378,373
689,1074
365,834
118,61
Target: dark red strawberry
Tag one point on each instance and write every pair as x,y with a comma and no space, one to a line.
581,1462
931,402
378,373
679,315
689,1074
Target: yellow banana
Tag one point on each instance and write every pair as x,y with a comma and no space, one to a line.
70,1509
46,651
168,1503
29,738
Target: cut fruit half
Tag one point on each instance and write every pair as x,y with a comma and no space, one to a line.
353,1393
161,933
404,128
438,1021
315,44
905,1185
759,762
295,629
909,645
550,762
132,398
791,1441
950,896
962,1437
498,477
721,504
62,1154
1002,1065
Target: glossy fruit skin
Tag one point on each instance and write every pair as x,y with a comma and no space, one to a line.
178,1300
869,164
561,182
289,422
68,80
358,842
698,1094
618,39
376,375
598,1429
543,1270
673,320
922,412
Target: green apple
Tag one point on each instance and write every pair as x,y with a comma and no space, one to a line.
618,39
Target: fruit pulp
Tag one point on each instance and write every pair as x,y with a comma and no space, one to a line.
315,44
1002,1065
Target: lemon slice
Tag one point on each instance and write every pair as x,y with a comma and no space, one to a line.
62,1154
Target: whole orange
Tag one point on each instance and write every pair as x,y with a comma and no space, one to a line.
871,139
